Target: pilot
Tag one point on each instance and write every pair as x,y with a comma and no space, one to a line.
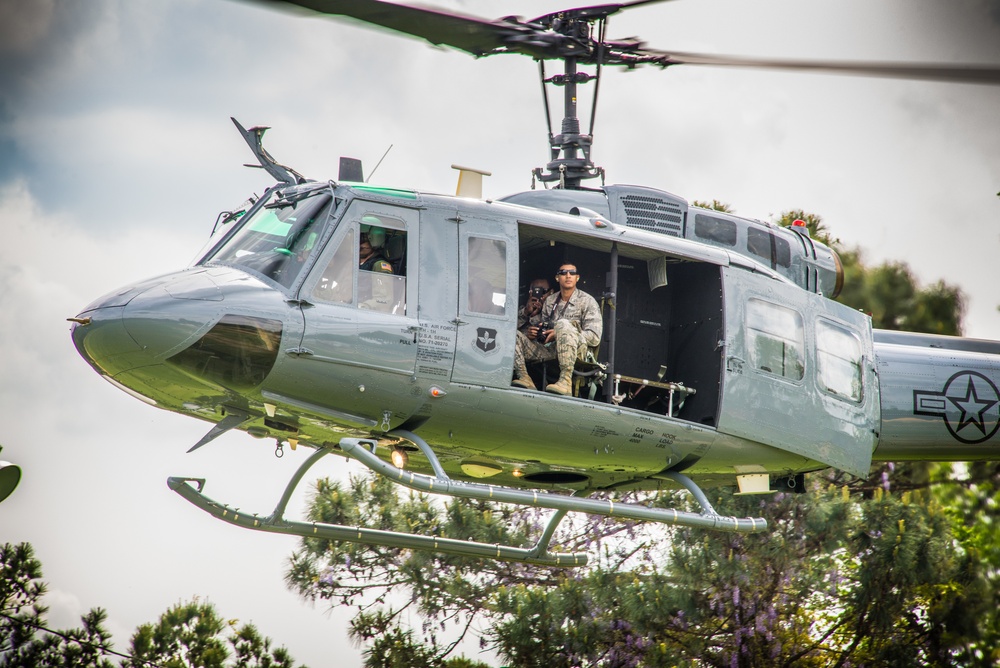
571,319
374,292
370,253
538,290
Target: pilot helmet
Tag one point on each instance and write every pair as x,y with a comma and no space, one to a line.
370,229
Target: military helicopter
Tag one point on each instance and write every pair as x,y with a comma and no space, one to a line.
723,358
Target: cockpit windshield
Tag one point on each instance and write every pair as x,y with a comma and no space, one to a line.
278,239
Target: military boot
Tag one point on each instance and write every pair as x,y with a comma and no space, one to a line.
566,351
521,377
564,385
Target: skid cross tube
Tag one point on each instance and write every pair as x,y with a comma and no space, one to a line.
191,489
708,519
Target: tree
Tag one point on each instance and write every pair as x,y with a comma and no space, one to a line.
22,615
194,634
879,571
890,292
847,575
188,635
714,205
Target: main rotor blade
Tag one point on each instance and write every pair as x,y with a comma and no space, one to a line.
540,38
477,36
971,73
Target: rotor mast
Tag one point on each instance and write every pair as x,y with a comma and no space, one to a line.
568,36
570,150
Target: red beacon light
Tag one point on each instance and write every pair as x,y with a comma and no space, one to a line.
800,226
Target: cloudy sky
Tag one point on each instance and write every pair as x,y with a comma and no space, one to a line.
116,153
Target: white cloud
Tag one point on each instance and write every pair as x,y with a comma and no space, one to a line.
126,154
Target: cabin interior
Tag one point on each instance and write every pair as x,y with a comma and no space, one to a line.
664,334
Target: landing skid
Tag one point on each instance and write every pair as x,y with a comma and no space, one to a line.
363,451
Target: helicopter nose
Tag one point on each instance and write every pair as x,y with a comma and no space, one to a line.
101,339
169,317
145,323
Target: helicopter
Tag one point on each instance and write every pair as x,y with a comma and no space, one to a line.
724,359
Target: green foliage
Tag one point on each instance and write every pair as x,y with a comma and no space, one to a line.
450,593
22,616
969,495
194,634
814,223
185,635
714,205
188,635
848,574
899,569
890,292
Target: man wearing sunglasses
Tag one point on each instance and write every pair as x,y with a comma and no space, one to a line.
568,323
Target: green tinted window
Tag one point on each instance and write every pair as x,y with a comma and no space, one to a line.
280,237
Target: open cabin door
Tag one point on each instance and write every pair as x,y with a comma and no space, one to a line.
799,372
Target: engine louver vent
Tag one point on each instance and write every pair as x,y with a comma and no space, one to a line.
654,214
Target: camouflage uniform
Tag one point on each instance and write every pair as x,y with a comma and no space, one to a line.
523,317
578,326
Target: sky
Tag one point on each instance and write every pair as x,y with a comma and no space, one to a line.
117,152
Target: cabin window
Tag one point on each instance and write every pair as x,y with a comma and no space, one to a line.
487,283
769,247
838,361
715,229
368,265
775,339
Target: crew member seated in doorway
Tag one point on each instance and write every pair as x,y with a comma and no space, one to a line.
568,323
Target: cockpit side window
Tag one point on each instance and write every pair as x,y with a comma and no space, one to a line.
336,283
279,238
368,267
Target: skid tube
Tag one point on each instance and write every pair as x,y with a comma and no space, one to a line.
442,484
538,554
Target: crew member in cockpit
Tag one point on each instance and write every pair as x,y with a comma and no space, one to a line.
370,252
569,318
374,291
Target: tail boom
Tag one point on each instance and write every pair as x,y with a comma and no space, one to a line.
939,396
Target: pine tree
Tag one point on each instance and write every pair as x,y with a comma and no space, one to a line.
898,569
25,640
